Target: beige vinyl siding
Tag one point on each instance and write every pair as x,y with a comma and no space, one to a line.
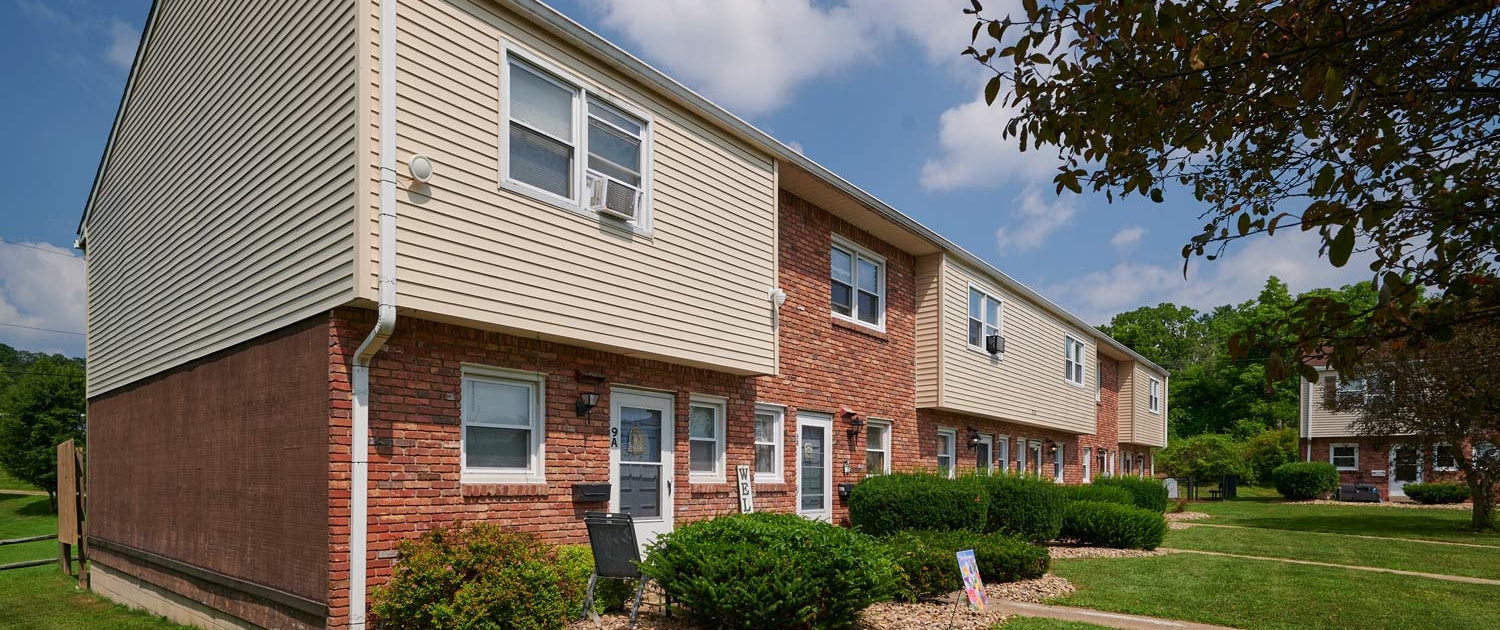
1126,405
1323,423
693,292
929,332
1027,384
225,206
1146,427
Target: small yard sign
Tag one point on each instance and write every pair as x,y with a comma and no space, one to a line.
973,585
747,490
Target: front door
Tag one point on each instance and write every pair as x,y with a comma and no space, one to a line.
1406,467
814,475
640,460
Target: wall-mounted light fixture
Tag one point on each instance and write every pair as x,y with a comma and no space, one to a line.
855,422
973,438
586,403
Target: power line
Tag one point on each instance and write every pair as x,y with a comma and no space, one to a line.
51,330
40,249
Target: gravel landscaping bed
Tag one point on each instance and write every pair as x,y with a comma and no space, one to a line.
1061,551
931,615
1391,504
1187,516
1179,524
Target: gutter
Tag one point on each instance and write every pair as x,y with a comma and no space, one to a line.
385,325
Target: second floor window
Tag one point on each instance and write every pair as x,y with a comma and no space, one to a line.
1073,361
858,287
984,318
1153,402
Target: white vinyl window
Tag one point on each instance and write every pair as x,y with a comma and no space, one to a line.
551,121
984,319
1073,360
858,287
1353,387
1444,458
946,440
1153,401
1344,456
770,431
877,447
503,427
706,438
1002,453
1021,455
1036,458
1088,464
1058,457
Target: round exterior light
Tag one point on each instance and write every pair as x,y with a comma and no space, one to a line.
420,167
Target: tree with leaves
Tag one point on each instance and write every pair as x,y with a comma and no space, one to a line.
1375,123
1436,393
43,408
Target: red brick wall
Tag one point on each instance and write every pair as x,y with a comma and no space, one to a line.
1374,454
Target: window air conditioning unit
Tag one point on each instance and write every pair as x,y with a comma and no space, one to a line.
994,344
611,197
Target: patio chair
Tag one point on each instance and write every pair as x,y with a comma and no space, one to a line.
616,556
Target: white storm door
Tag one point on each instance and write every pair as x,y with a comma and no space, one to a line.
814,466
1406,467
640,460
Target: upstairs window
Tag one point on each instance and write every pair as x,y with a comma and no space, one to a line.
858,287
984,319
550,120
1073,361
1153,399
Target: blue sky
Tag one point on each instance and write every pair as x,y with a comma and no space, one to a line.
872,89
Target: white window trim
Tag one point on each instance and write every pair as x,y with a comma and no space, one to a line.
859,252
1059,463
986,440
1021,455
1153,395
778,463
643,223
1002,453
1098,381
1436,467
1334,447
885,448
535,473
999,321
1087,458
1036,462
1068,360
952,436
720,405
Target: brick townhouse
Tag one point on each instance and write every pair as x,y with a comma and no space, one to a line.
422,261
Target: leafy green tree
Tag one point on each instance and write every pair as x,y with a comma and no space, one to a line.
43,408
1206,457
1269,449
1374,123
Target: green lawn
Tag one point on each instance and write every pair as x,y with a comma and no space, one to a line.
1340,549
1270,595
1042,623
1368,520
8,482
42,598
22,516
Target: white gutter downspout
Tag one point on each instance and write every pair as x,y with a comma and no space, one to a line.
385,324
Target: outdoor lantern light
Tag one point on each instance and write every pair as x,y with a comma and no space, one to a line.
586,402
973,438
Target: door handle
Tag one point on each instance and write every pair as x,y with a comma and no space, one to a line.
669,487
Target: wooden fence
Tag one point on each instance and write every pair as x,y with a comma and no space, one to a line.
71,532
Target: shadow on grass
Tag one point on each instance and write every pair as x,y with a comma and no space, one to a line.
1391,525
39,507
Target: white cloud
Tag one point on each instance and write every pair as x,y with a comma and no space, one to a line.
973,151
41,289
91,37
795,146
1035,218
123,39
1238,276
1127,237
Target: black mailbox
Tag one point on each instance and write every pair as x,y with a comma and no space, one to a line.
845,489
590,492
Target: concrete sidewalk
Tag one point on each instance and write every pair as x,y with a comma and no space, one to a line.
1096,617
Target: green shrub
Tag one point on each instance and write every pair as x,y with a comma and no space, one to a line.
1304,481
1113,525
929,560
476,577
771,571
1208,456
884,504
1149,494
1267,450
1102,494
1437,493
1028,508
576,563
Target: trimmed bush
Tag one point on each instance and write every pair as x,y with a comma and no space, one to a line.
1102,494
885,504
576,563
1028,508
929,563
771,571
1305,481
476,577
1113,525
1149,493
1437,493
